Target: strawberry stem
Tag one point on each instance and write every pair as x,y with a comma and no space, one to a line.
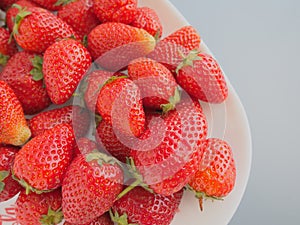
37,71
3,175
120,220
188,60
52,217
173,101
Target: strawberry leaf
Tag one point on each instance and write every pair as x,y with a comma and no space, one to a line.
3,59
188,60
173,101
120,220
52,217
36,72
63,2
18,19
3,174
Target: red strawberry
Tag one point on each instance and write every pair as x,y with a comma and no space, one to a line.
84,146
102,220
171,49
8,186
170,152
50,4
13,126
110,142
120,104
117,44
201,76
5,4
139,206
157,84
217,173
76,116
39,209
41,164
36,29
90,187
115,10
94,83
148,19
65,63
23,74
79,15
7,49
12,12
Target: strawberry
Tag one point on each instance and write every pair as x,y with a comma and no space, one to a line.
39,209
76,116
65,63
22,73
5,4
50,4
170,150
7,49
36,29
216,175
12,12
201,76
117,44
148,19
101,220
94,83
171,49
115,10
110,142
84,146
139,206
90,187
157,84
41,163
8,186
79,15
120,104
13,126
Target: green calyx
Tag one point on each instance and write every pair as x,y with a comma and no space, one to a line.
18,19
37,71
188,60
173,101
63,2
138,179
3,175
100,158
120,220
3,59
52,217
113,78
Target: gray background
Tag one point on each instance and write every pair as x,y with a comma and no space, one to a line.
257,43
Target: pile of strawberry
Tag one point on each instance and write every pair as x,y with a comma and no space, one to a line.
140,95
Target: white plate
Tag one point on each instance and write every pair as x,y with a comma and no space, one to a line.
227,120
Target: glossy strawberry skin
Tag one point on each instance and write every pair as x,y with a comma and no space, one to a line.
148,20
171,49
102,220
84,146
89,189
114,45
32,94
6,49
65,64
94,82
155,81
171,151
75,116
115,10
216,175
31,207
145,208
11,187
13,126
41,29
120,104
13,11
107,138
79,15
48,4
43,161
204,80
